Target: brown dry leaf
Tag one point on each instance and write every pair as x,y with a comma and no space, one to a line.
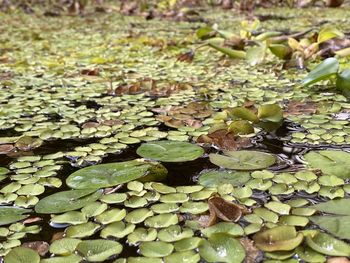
252,252
6,148
186,57
225,210
27,143
225,140
57,236
90,124
207,220
338,260
298,108
32,220
90,72
40,246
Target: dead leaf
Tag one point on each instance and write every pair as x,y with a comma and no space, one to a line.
299,107
225,210
40,246
27,143
252,252
6,148
90,72
90,124
186,57
57,236
32,220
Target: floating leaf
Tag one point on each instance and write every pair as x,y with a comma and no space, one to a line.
338,226
270,112
185,256
225,210
322,71
99,250
330,162
328,245
231,229
282,238
213,178
256,55
343,82
64,246
156,249
67,259
22,255
111,174
9,214
170,151
67,201
221,248
243,160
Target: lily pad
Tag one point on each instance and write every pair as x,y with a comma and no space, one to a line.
99,250
22,255
9,214
221,248
243,160
328,245
282,238
330,162
64,246
212,178
111,174
156,249
338,226
170,151
67,201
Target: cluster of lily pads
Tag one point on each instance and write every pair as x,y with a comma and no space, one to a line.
101,92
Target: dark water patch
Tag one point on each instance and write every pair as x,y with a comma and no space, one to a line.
9,133
90,104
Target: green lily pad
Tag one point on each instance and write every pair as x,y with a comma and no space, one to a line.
67,259
221,248
243,160
185,256
22,255
142,235
213,178
330,162
170,151
9,214
67,201
281,238
117,229
337,207
187,244
64,246
309,255
111,174
327,245
99,250
162,220
174,233
227,228
338,226
156,249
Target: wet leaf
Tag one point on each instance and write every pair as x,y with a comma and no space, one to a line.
338,226
328,245
156,249
67,201
213,178
9,214
221,248
243,160
22,255
99,250
111,174
330,162
170,151
282,238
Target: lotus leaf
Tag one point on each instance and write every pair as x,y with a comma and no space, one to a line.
221,248
170,151
67,201
111,174
117,229
281,238
243,160
99,250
